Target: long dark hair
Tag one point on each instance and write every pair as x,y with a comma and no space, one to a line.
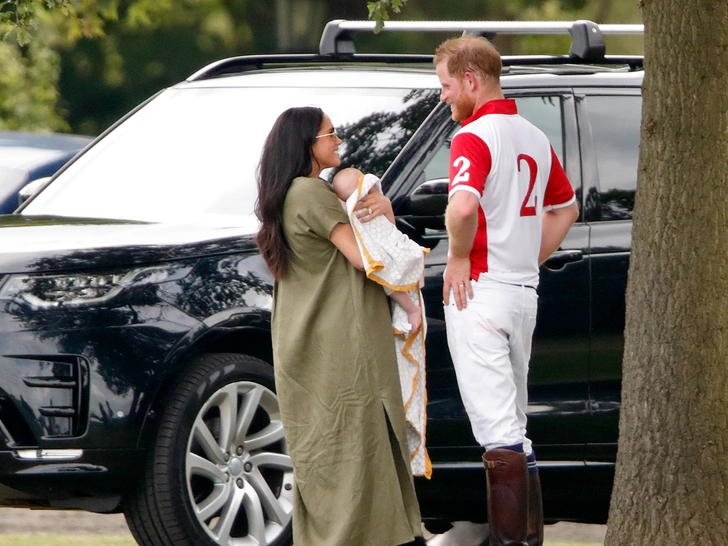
286,155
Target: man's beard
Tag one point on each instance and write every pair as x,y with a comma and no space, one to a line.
462,109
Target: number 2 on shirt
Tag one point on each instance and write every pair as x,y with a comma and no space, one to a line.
463,174
526,209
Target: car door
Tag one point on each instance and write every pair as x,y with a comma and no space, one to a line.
609,122
558,387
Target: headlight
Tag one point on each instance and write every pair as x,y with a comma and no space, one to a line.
77,289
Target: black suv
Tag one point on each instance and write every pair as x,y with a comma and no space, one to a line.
135,350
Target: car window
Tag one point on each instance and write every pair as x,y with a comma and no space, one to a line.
545,112
615,125
191,154
372,142
11,180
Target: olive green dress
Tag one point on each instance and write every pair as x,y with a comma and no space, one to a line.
338,385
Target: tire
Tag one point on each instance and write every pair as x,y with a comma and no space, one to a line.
219,473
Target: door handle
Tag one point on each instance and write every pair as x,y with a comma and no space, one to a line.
562,257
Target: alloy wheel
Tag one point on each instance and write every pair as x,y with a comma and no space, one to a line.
238,472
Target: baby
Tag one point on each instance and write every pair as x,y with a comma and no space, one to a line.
345,184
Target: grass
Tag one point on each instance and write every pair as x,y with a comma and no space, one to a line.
547,543
92,540
95,540
65,540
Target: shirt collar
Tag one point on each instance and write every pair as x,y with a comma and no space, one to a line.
496,106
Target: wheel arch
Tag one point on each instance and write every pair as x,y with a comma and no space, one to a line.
249,340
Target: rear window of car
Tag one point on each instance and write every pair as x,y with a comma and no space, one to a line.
615,125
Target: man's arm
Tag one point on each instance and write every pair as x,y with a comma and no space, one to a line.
461,220
556,224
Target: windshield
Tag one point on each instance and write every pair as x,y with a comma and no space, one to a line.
191,154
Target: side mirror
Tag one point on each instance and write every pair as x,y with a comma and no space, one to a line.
31,188
425,206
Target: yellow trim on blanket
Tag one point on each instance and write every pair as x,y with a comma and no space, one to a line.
371,268
408,355
374,265
396,288
415,381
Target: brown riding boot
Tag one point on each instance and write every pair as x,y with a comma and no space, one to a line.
535,510
507,497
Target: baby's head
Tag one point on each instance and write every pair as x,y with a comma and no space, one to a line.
345,182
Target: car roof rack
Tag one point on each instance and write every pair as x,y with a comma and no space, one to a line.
245,63
587,38
337,45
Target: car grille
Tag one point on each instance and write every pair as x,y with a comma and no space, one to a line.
54,399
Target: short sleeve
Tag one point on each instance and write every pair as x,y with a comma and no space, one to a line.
316,205
470,164
559,192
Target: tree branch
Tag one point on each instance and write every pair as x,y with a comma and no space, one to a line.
379,11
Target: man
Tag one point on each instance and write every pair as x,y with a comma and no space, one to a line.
510,207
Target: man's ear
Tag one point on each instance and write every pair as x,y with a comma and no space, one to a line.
471,81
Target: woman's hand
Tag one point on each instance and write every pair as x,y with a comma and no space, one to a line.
374,204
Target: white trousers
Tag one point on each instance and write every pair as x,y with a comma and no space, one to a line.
490,346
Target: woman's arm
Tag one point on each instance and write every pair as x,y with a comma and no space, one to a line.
372,205
343,238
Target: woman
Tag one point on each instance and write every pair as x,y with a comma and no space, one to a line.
335,363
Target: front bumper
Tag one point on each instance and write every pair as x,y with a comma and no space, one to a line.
96,480
74,401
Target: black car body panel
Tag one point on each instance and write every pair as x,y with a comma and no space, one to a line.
91,377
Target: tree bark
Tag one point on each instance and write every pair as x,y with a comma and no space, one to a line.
671,483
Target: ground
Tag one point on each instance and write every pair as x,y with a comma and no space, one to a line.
22,521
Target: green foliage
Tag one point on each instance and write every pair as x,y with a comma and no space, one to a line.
39,37
106,56
20,20
102,79
379,11
28,90
33,33
600,11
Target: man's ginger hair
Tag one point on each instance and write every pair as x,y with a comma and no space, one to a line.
470,53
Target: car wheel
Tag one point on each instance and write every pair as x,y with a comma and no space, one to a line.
219,472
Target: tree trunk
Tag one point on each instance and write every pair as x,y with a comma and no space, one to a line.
671,483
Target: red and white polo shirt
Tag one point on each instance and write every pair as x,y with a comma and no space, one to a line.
511,167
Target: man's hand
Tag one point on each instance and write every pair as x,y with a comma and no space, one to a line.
461,220
457,279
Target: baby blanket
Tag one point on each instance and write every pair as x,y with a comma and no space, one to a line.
397,263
